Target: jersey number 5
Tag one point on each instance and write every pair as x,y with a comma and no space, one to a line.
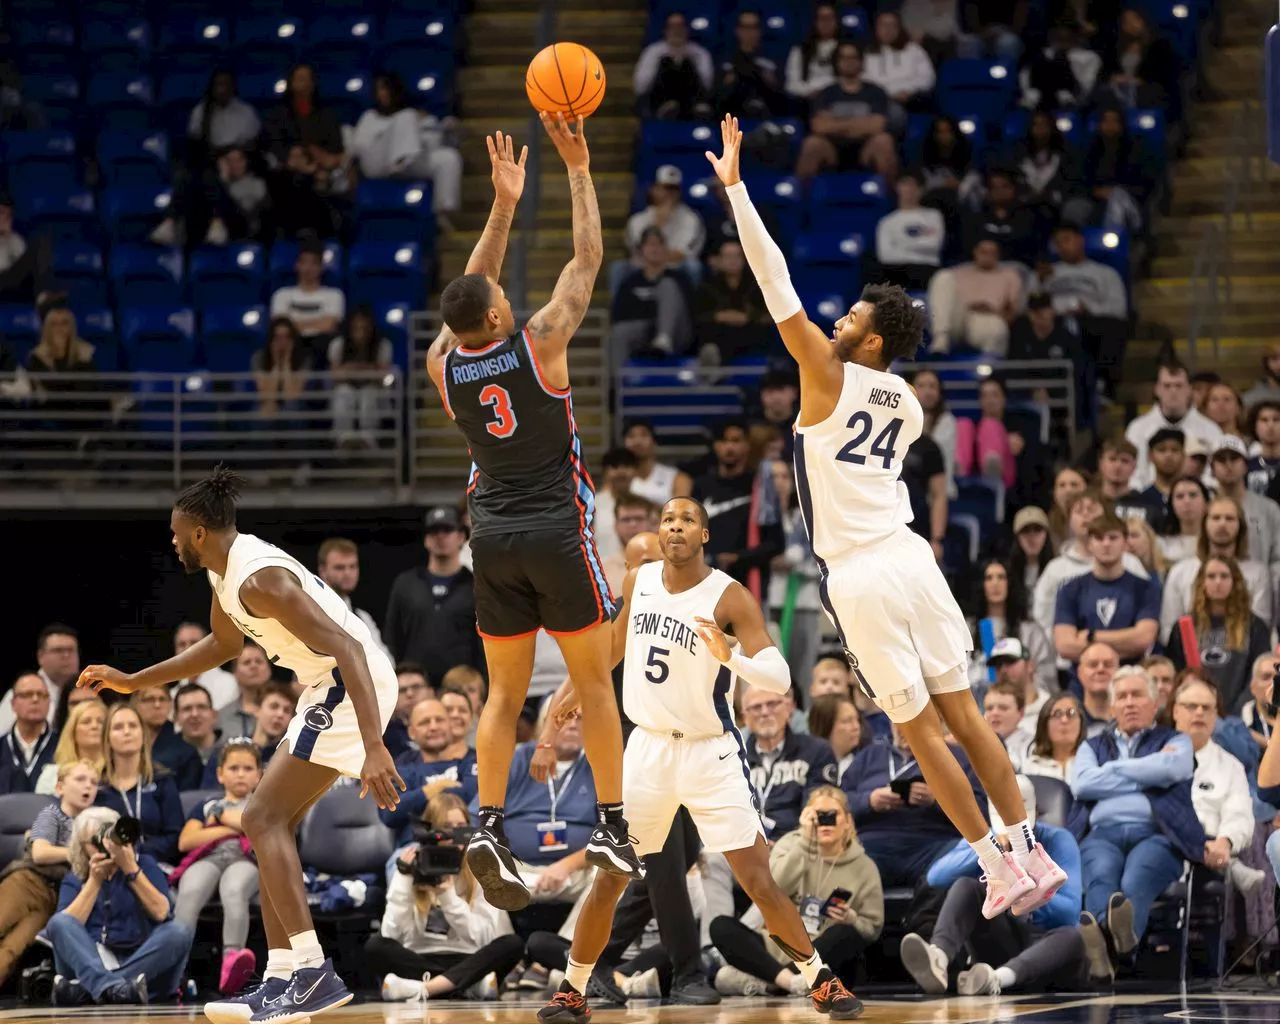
504,417
881,447
655,669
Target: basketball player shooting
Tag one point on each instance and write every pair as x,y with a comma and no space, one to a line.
901,628
532,505
261,592
678,679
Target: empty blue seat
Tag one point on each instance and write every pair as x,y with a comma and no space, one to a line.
848,203
350,93
342,41
227,275
59,213
158,339
193,36
131,213
20,328
58,93
230,335
1109,246
430,31
45,44
983,89
829,263
385,272
268,40
78,267
263,89
855,23
112,44
146,275
97,325
825,308
393,211
284,257
134,160
182,90
663,138
433,85
393,323
39,161
121,101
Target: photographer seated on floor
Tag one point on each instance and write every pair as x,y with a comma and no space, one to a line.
113,937
439,936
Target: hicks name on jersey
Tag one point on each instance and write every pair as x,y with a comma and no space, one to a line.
480,369
664,627
885,397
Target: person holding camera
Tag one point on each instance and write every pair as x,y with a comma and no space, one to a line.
134,789
822,867
217,859
29,886
113,937
439,935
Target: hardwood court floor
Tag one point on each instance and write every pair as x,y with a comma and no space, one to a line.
1085,1009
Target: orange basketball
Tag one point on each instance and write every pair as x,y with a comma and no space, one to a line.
565,78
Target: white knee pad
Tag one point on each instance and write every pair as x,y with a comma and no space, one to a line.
949,682
904,705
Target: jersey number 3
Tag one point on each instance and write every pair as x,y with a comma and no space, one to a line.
504,417
881,447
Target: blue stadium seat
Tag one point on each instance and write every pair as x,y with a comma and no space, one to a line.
433,86
675,138
918,126
111,44
982,89
58,93
192,37
850,204
20,328
855,23
350,93
829,264
146,275
227,275
264,89
393,211
60,213
393,323
431,31
284,256
130,214
784,198
182,90
230,335
39,161
121,101
385,272
342,41
268,40
97,325
78,267
46,44
1109,246
825,308
136,161
158,339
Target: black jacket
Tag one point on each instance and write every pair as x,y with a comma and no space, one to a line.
436,634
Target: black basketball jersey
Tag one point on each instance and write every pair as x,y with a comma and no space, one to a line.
527,470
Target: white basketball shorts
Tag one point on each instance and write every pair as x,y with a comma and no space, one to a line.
708,775
899,623
324,729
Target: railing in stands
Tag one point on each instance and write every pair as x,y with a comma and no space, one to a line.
133,439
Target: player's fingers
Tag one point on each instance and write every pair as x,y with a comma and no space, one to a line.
493,150
399,781
582,128
364,788
524,152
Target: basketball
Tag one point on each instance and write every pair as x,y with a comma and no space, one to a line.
565,78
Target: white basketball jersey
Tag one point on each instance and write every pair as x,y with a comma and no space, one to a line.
849,466
248,555
670,681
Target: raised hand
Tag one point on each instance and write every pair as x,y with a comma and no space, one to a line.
572,146
713,636
508,172
103,677
726,165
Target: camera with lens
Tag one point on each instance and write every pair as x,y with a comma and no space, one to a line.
827,818
439,855
122,832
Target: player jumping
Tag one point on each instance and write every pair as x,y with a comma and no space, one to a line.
678,679
532,505
902,631
261,592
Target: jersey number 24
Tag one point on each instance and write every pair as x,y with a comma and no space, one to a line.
881,447
504,417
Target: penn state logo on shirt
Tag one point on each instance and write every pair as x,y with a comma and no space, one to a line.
852,659
831,774
318,718
1106,608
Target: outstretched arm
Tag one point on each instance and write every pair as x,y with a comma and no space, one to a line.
820,371
552,327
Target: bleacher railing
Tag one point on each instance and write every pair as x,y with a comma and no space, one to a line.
133,439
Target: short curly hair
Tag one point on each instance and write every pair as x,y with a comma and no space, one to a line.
897,319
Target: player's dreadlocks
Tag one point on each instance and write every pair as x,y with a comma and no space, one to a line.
212,501
897,320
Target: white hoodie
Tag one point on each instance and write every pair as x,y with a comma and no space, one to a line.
1220,795
907,70
469,927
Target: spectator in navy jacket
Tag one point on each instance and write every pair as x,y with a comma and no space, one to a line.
132,788
26,750
117,899
903,836
1136,779
438,757
785,766
168,748
1108,603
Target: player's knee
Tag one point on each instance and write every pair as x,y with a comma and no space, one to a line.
259,816
905,705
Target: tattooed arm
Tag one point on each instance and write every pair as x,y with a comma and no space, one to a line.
552,327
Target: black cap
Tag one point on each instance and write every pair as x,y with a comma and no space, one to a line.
1167,434
1039,300
442,517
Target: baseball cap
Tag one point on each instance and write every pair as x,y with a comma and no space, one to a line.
1195,446
668,174
1030,516
1230,443
1167,434
1008,649
442,517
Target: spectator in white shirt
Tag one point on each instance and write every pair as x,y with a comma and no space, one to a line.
1172,408
899,66
58,655
395,140
652,479
315,309
674,76
975,302
682,230
218,682
909,240
811,64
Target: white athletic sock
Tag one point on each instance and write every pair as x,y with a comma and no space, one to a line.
990,855
576,975
279,964
306,950
1022,840
811,968
1006,977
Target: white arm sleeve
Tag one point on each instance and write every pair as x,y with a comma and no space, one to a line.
764,257
767,670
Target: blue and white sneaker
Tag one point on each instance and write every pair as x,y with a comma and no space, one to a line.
494,867
240,1008
311,990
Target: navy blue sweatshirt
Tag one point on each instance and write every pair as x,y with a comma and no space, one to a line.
159,808
803,764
